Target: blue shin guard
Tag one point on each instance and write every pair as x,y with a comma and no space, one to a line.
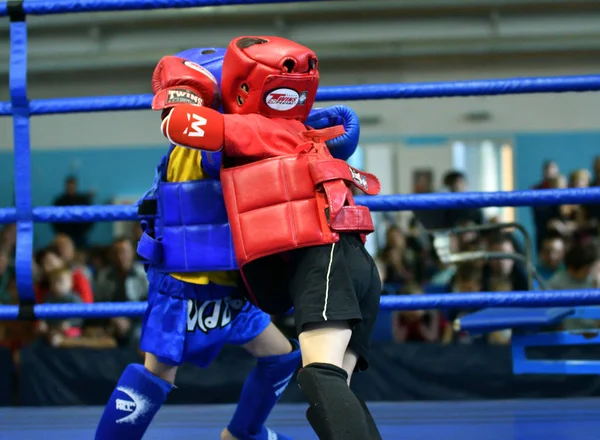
136,399
263,387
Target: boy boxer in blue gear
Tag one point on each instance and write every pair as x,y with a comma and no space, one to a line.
194,306
194,302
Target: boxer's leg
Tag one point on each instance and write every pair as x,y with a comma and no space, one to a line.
142,390
277,360
349,365
330,287
139,394
335,413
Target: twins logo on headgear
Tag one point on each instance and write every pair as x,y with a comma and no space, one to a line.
271,76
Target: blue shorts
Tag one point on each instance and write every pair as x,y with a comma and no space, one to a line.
187,322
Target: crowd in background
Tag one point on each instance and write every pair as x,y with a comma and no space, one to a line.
566,247
70,271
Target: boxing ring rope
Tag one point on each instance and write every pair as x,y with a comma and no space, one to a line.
487,87
21,109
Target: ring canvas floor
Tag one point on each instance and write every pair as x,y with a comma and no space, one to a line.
565,419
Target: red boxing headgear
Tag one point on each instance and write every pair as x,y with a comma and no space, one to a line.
270,76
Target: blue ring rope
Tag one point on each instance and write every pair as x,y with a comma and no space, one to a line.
21,109
487,87
391,302
53,7
110,213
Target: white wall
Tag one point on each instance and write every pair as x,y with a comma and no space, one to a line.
545,112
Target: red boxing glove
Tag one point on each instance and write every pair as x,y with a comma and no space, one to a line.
192,126
177,81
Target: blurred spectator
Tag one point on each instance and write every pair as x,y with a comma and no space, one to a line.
444,274
552,218
592,211
6,276
468,279
579,178
66,250
395,257
477,245
466,239
596,166
551,255
61,292
504,269
577,273
99,257
124,279
585,217
549,171
455,181
500,336
420,325
71,197
49,260
8,238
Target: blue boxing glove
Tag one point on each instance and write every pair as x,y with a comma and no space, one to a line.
341,147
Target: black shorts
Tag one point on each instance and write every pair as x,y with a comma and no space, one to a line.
338,282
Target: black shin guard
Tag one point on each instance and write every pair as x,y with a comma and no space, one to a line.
373,430
334,413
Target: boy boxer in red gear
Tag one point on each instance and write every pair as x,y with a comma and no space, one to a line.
298,234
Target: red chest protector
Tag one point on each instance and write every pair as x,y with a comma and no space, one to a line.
296,200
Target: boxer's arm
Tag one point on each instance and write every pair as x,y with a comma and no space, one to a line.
194,126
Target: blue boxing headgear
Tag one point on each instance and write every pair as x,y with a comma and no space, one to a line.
211,58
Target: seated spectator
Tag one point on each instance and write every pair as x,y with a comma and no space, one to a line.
65,248
579,178
420,325
444,274
552,218
549,171
61,292
500,337
6,276
476,245
465,239
577,273
124,279
500,269
8,238
395,257
98,260
48,260
596,166
551,256
468,279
